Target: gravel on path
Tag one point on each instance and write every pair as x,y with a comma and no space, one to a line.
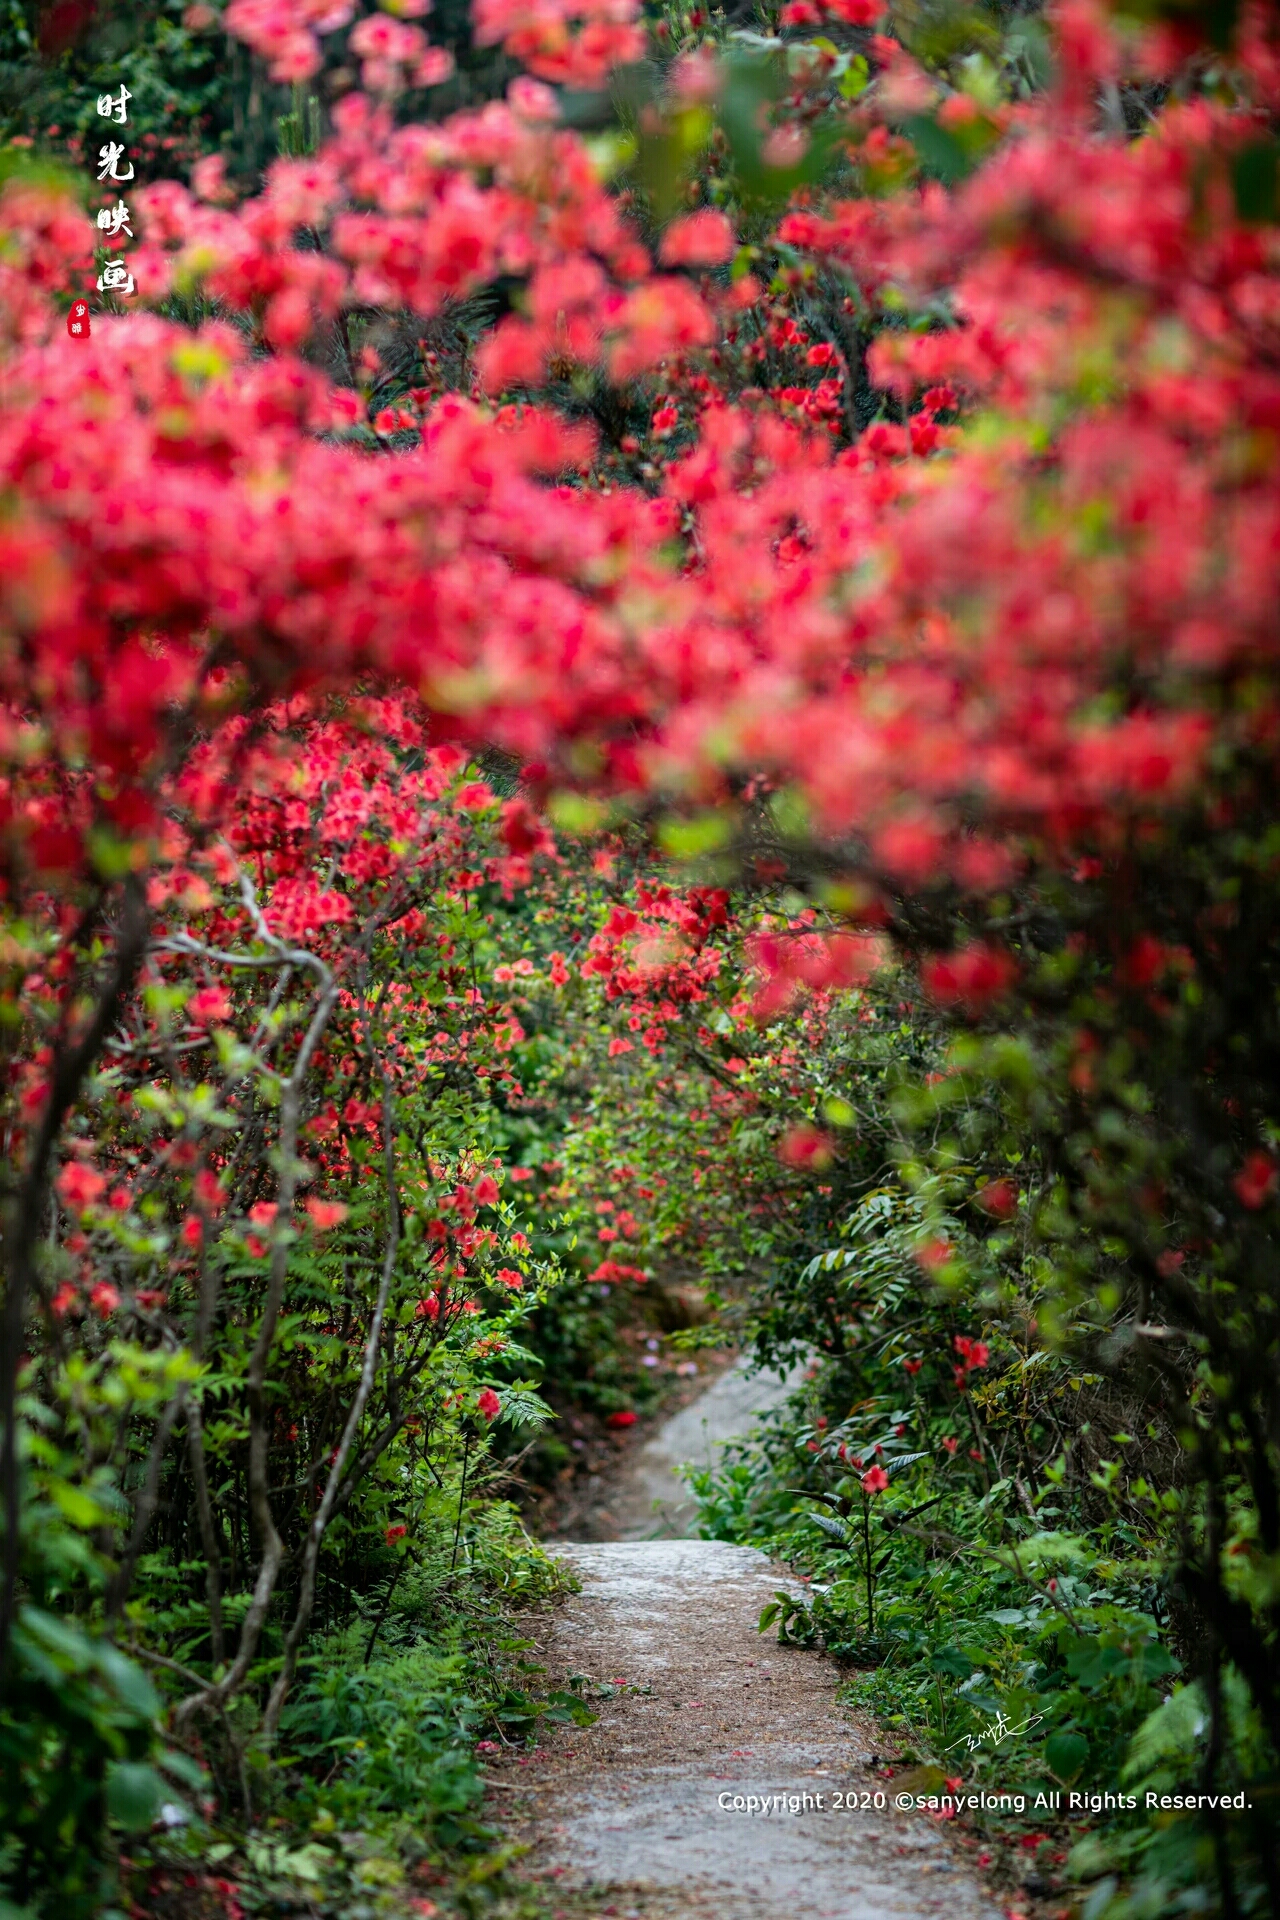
635,1815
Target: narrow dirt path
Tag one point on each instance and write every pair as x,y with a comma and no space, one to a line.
721,1780
646,1499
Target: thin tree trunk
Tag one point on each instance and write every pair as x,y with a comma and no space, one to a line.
121,1580
71,1067
208,1531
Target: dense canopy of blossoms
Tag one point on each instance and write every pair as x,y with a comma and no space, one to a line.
953,646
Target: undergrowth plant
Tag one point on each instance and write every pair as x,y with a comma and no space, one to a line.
991,1556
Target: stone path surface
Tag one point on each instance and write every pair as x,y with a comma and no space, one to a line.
649,1500
645,1814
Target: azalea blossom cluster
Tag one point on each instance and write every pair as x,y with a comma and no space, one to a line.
287,32
296,1014
413,216
915,632
348,837
957,659
199,497
573,42
695,1144
659,956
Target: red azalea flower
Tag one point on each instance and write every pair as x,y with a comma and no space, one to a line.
806,1147
999,1198
1256,1181
324,1214
79,1185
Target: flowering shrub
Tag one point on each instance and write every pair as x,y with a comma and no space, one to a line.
307,1365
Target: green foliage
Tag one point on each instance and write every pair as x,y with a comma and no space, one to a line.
374,1787
78,1737
1021,1569
396,1738
53,69
207,1342
1022,1631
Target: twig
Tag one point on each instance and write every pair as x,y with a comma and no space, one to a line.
118,1585
255,1380
186,1673
324,1511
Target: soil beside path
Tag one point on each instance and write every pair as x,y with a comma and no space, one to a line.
624,1817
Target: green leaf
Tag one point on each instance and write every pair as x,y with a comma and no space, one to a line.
1066,1754
128,1682
1172,1732
688,838
135,1795
939,150
834,1529
77,1506
71,1649
576,813
610,152
1254,178
854,80
521,1406
112,857
756,80
180,1766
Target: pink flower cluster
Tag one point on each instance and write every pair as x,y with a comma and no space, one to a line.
574,42
285,32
